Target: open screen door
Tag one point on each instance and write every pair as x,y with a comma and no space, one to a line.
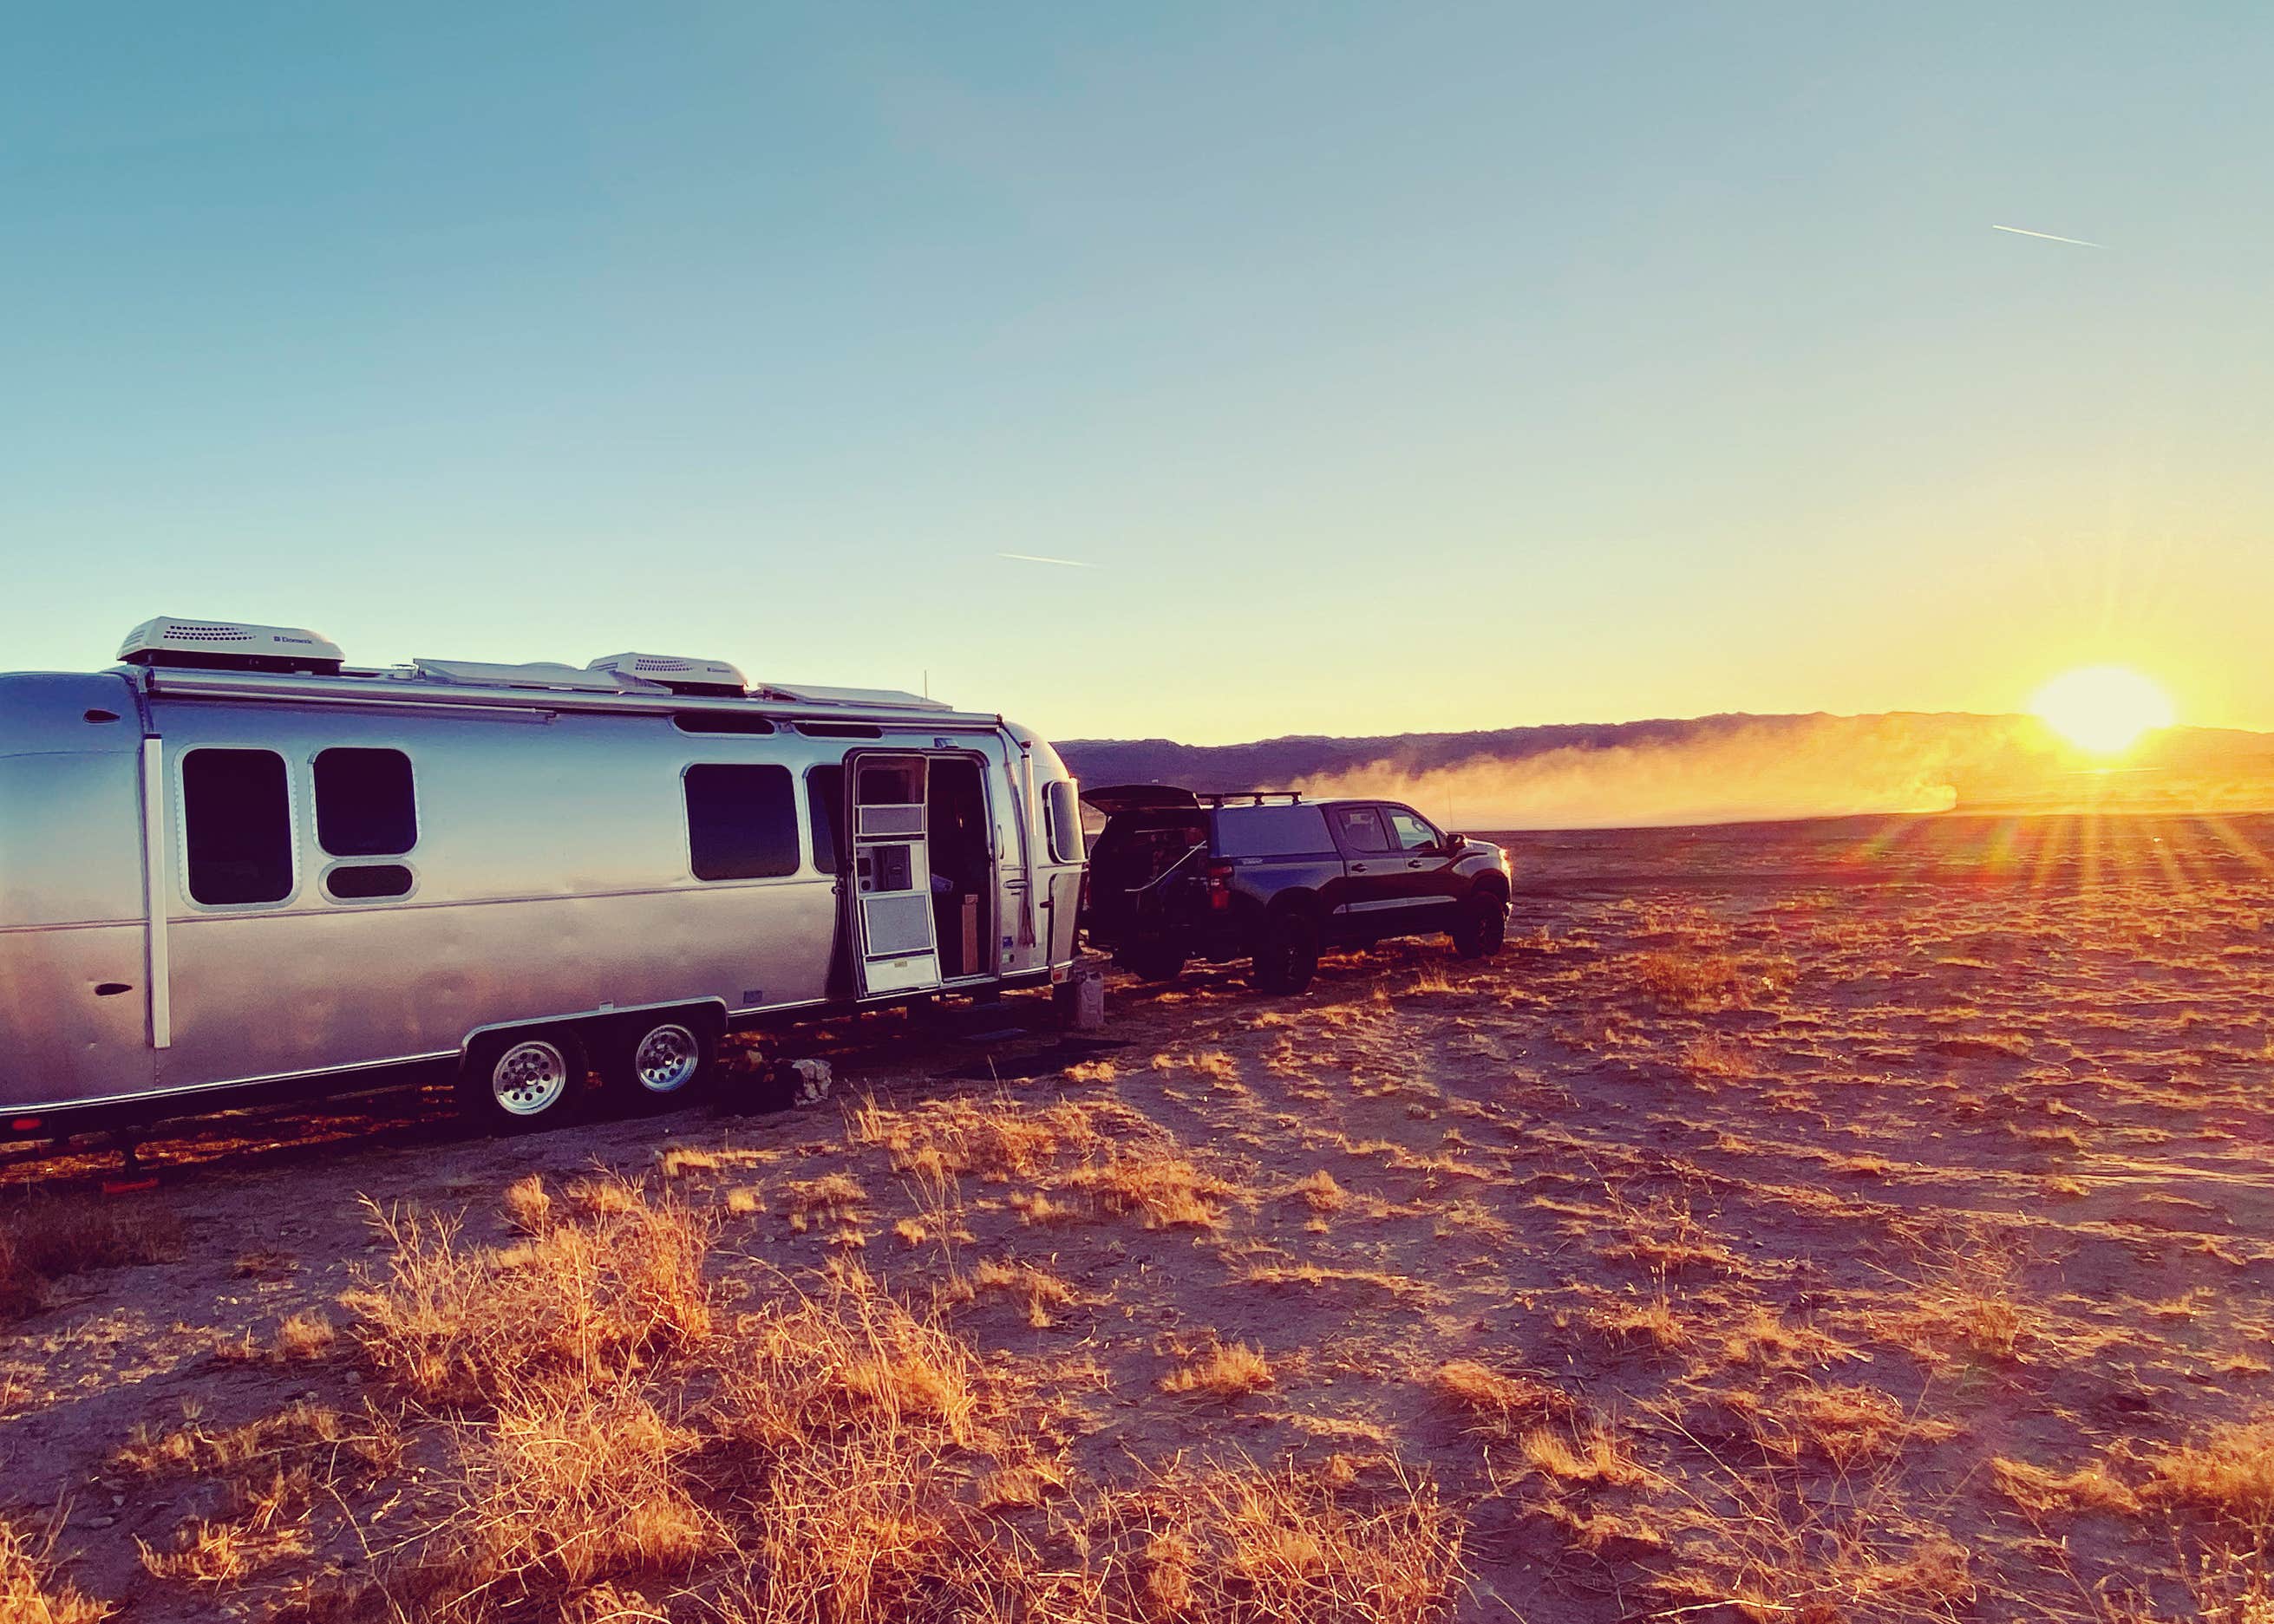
894,948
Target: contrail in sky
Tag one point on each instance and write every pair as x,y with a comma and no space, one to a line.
2048,236
1037,557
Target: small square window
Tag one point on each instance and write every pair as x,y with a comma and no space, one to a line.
741,822
365,804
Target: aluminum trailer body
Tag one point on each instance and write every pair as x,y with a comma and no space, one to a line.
212,877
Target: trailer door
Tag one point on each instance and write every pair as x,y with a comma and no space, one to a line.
890,900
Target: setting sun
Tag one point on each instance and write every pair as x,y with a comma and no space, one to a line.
2104,708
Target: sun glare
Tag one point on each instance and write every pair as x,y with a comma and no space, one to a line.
2104,708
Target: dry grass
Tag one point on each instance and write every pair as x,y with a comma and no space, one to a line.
30,1592
527,1206
2041,1495
995,1141
1594,1457
42,1241
300,1433
2228,1474
1690,981
1498,1404
1225,1371
1037,1290
452,1323
561,1490
1235,1546
1165,1190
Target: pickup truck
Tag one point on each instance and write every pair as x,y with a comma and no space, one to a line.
1271,876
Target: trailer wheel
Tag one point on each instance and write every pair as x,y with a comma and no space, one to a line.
521,1079
1287,956
662,1061
1480,927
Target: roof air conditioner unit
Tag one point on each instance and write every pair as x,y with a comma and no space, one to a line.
679,673
225,645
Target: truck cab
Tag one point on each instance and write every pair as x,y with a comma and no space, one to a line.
1272,876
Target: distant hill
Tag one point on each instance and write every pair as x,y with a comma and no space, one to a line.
1718,769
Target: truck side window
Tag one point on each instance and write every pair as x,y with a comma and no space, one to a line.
237,825
1412,831
1359,829
1064,805
741,822
364,806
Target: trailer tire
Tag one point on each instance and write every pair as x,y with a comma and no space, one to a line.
1287,954
1481,926
514,1081
661,1061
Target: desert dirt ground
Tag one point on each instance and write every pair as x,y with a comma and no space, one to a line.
1866,1219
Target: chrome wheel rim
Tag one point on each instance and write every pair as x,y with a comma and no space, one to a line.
528,1078
667,1059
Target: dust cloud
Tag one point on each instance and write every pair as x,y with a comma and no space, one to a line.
1771,768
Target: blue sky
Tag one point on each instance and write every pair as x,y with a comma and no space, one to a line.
1395,368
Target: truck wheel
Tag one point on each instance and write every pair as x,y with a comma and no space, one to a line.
517,1080
1153,961
1481,926
661,1061
1287,956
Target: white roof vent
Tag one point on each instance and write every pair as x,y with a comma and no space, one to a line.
681,673
226,645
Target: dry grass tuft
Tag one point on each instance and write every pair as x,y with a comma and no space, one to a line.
1691,982
2040,1493
1593,1458
299,1433
561,1490
1167,1191
42,1241
1037,1289
29,1591
451,1323
1501,1405
2229,1474
1225,1371
1238,1547
527,1208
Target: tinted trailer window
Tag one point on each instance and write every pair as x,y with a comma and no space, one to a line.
237,825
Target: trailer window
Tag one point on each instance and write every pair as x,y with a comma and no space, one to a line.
364,806
741,822
825,795
1065,806
237,826
363,881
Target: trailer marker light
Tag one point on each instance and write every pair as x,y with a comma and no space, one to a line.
24,1124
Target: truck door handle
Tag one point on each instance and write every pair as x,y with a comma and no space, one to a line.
1357,868
111,989
1414,864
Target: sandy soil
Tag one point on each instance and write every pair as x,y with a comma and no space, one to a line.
1778,1217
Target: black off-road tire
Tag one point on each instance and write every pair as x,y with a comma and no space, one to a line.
1481,927
1287,956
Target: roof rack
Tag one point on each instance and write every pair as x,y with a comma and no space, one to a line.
1253,797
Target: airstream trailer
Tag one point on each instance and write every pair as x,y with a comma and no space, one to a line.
235,860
